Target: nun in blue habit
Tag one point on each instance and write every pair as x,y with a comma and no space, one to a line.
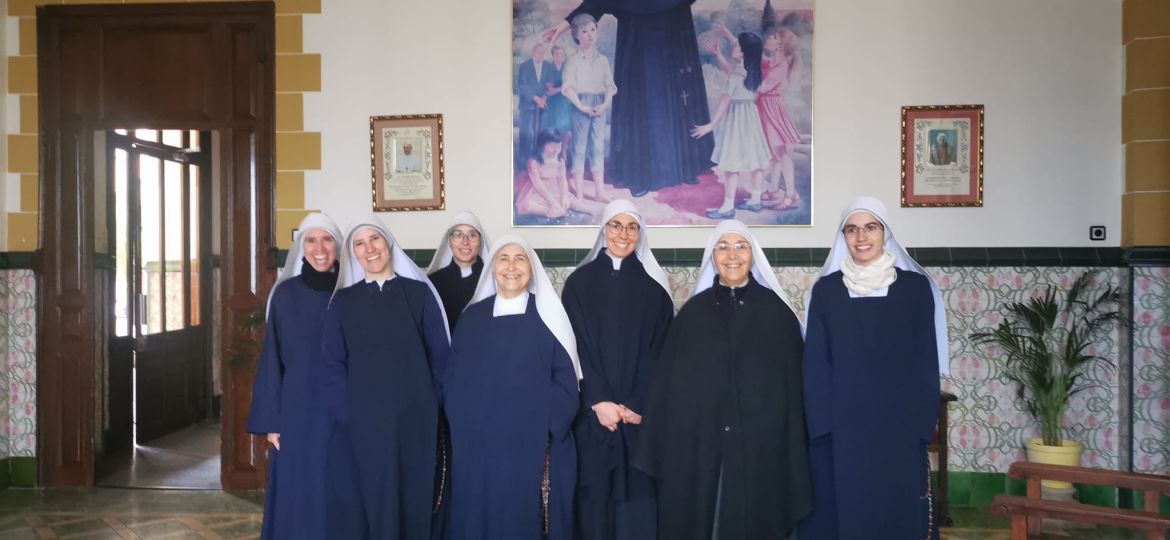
286,405
619,302
510,393
876,343
384,349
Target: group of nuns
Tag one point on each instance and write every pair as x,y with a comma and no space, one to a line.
473,403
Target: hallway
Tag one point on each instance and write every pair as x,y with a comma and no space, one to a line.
186,459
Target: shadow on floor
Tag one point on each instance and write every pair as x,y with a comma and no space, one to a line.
186,459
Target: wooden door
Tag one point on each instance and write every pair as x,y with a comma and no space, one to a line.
202,66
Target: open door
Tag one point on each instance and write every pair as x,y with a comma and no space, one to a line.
185,66
159,290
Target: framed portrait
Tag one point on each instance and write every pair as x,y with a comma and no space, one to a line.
942,155
406,162
701,112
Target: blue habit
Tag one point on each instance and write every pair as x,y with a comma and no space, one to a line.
620,318
285,400
384,348
871,393
510,395
661,94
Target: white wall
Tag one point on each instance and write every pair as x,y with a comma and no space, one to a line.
1048,71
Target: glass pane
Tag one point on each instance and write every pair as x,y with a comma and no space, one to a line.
121,131
151,284
173,137
173,243
121,246
193,238
193,139
147,134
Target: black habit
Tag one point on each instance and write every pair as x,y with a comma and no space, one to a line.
455,290
620,319
724,419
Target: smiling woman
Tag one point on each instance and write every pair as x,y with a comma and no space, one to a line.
510,394
723,424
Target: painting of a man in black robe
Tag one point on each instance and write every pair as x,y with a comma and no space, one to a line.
659,69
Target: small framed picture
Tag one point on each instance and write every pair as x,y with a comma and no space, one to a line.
406,162
942,155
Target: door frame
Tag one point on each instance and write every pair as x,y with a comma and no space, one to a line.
240,108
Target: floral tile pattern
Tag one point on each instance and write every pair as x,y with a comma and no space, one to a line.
18,368
1151,369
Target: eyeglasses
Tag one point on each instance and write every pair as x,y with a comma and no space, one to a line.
459,236
738,247
616,228
869,228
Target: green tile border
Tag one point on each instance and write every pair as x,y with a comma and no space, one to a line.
18,472
980,488
16,260
932,256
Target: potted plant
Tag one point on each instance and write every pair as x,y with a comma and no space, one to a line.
1045,344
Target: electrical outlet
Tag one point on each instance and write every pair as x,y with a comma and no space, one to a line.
1097,232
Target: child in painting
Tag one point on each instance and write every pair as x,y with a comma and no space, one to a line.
588,85
547,191
740,147
780,66
559,112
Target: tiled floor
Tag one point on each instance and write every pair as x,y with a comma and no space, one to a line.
186,459
93,514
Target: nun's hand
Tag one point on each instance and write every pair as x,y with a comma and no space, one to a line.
274,438
608,414
630,417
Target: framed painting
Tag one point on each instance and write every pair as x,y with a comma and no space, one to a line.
406,162
942,155
702,111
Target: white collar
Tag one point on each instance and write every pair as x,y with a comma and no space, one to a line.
617,261
510,306
465,271
381,282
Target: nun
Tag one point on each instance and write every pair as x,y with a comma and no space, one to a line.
454,271
457,264
876,343
286,404
619,302
511,395
384,349
723,426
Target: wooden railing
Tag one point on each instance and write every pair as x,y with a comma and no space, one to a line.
1027,513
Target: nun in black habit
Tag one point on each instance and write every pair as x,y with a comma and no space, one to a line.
457,264
618,300
454,270
877,341
286,406
384,348
511,395
723,426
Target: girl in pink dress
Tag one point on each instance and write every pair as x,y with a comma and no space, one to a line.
781,65
547,191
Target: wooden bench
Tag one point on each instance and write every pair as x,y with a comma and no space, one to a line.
1027,513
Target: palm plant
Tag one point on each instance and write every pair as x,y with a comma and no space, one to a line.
1046,345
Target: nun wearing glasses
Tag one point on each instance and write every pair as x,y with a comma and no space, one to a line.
618,300
876,343
286,406
511,395
458,263
384,348
723,427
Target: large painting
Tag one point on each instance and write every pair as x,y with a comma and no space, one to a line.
697,110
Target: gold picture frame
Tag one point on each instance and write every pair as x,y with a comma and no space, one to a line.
942,155
406,163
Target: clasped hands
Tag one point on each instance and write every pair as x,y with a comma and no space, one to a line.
610,414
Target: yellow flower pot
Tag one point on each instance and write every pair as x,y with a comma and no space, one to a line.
1067,454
